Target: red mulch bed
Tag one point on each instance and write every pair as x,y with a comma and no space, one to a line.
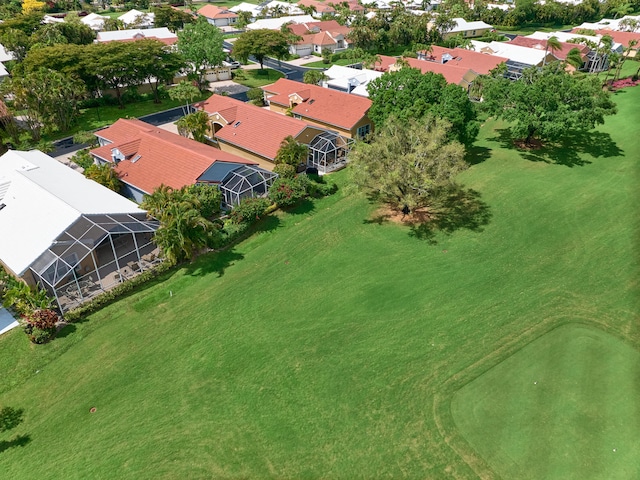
624,83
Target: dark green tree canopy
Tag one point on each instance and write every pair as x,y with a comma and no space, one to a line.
409,94
261,44
173,19
547,103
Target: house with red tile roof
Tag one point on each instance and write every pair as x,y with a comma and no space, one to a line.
326,108
481,63
145,157
218,16
256,133
318,36
624,38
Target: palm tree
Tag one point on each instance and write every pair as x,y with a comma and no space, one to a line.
183,230
554,45
315,77
625,55
603,51
574,58
291,152
105,175
156,203
195,124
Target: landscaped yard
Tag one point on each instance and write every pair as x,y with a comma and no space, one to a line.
331,345
256,77
96,117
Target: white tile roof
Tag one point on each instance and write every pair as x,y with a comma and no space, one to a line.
94,21
463,26
566,36
345,78
162,32
276,23
517,53
41,198
132,15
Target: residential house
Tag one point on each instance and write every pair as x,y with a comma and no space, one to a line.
146,157
560,54
5,56
318,36
321,8
218,16
326,108
468,29
137,19
256,133
162,34
277,23
480,63
623,38
349,80
65,233
612,24
94,21
519,58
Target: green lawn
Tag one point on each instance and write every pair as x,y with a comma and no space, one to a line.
257,78
330,345
96,117
569,398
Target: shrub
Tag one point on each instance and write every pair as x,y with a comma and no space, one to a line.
284,170
249,210
321,189
288,191
335,57
209,198
256,96
131,95
85,137
83,159
40,326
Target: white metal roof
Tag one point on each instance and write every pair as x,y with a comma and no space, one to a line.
247,7
345,78
276,23
5,56
162,32
41,198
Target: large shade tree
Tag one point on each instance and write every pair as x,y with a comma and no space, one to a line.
408,164
547,104
200,43
409,94
260,44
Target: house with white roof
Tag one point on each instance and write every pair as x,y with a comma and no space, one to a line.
94,21
162,34
65,233
138,19
349,80
276,23
468,29
615,24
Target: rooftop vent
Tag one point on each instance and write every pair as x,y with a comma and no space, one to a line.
136,158
2,205
236,124
311,101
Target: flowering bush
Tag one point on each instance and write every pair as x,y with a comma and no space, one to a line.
287,191
624,82
249,210
40,326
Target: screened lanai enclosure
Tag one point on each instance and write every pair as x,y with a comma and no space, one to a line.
328,152
245,181
95,254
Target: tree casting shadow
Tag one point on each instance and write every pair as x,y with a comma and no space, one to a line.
459,209
477,154
569,150
18,441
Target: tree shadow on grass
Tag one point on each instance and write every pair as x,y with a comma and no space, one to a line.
460,209
477,154
568,151
18,441
306,205
215,262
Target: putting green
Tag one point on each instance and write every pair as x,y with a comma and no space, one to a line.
565,406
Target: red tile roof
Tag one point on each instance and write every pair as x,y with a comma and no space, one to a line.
621,37
155,156
322,104
451,73
303,28
252,128
481,63
213,12
321,7
542,45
